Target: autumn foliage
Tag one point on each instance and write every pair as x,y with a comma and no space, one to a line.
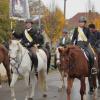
4,20
54,23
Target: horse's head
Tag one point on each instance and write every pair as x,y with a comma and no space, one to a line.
14,49
67,57
64,58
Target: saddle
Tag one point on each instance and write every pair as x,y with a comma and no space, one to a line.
89,56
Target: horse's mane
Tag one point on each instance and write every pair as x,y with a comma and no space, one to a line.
3,53
74,52
72,48
3,49
22,47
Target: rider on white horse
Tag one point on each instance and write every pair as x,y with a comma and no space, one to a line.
29,39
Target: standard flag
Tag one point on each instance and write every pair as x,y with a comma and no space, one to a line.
19,9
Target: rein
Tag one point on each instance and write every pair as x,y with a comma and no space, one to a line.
17,62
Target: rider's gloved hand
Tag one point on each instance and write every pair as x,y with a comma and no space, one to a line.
26,44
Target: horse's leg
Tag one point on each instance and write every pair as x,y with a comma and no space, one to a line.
90,80
0,82
94,82
45,84
33,82
98,76
14,79
42,82
26,77
69,87
94,86
83,87
62,79
6,64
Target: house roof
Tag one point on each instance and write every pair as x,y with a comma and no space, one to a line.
74,20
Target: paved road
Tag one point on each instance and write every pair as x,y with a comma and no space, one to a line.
53,84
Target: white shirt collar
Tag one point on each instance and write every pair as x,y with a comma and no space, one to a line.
29,29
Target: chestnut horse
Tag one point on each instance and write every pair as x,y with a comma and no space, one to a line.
98,54
4,58
72,58
97,50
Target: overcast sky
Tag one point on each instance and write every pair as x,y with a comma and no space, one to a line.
74,6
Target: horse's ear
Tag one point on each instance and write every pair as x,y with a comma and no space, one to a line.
67,50
60,50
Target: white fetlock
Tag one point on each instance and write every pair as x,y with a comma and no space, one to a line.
13,98
0,86
58,62
84,97
26,98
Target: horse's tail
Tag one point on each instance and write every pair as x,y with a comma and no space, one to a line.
48,62
48,54
42,80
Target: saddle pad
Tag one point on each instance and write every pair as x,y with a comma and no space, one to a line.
85,54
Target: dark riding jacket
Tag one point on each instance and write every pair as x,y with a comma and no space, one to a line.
75,34
36,39
94,37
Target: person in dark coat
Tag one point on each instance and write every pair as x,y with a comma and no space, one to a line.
81,38
39,38
95,35
64,40
28,39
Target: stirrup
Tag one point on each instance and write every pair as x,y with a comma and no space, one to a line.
93,71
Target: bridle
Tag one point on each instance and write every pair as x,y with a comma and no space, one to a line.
17,63
62,57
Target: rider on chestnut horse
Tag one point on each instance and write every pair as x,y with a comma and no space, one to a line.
81,37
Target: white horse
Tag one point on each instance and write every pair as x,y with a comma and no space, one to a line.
21,65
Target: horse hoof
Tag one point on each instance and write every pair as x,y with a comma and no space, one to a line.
59,89
0,86
44,95
63,87
30,98
14,99
99,87
91,92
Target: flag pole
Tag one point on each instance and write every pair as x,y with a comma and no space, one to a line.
39,14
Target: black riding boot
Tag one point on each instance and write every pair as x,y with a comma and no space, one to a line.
91,88
34,59
35,62
90,55
98,75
